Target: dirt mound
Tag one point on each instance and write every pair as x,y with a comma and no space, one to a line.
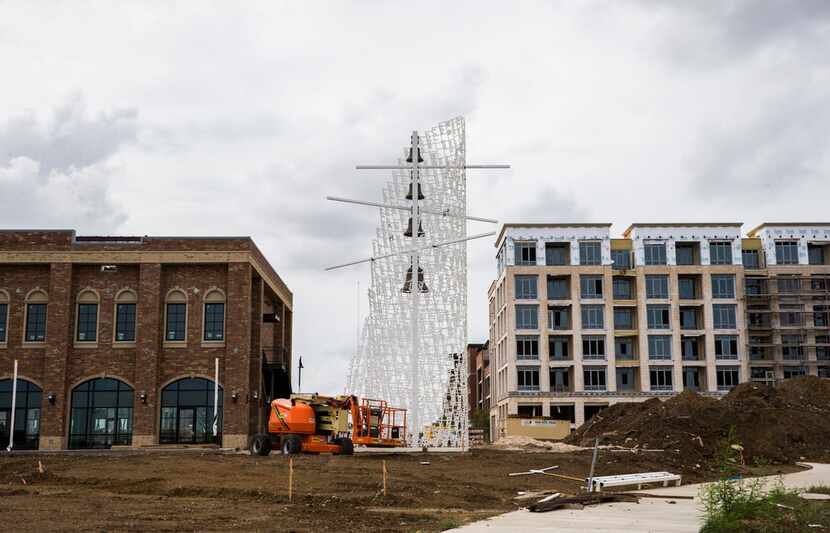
764,424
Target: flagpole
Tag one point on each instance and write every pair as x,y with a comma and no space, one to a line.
216,400
14,408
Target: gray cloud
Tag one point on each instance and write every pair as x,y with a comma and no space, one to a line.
57,173
704,33
787,146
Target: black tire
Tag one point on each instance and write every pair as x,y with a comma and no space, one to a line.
291,445
346,446
261,445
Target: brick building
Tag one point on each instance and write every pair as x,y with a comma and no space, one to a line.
117,339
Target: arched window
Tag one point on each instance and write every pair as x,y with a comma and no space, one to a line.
26,416
4,316
187,412
36,302
86,322
213,323
125,306
102,414
175,316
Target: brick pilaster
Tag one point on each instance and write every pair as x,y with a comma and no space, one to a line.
58,335
148,346
236,377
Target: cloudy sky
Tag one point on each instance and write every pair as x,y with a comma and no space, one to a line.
208,118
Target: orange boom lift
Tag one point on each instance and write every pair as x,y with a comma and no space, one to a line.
323,424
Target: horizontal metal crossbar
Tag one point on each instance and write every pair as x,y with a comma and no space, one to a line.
413,250
445,213
428,167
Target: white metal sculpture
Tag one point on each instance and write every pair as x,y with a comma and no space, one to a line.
412,349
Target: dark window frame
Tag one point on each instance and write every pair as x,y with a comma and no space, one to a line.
36,316
214,330
86,328
178,319
125,322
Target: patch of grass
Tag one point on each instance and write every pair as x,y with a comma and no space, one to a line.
728,458
744,507
819,489
448,523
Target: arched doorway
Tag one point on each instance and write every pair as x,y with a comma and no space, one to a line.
102,414
26,417
187,412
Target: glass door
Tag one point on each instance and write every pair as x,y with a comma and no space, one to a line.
186,424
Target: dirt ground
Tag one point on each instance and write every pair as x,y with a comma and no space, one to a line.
186,491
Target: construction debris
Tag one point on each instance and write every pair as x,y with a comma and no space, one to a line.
534,471
578,502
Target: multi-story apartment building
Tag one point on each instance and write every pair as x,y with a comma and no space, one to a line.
117,338
580,320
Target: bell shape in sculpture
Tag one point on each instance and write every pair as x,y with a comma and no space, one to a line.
407,284
409,157
420,193
408,232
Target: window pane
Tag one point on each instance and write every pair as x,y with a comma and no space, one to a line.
658,316
527,317
655,253
786,252
723,286
525,287
724,316
657,286
214,322
622,289
87,322
3,315
525,253
659,346
592,316
591,286
623,318
558,289
589,253
176,326
621,259
720,253
125,323
35,322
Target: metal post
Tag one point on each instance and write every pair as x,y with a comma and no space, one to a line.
216,399
593,465
14,408
415,154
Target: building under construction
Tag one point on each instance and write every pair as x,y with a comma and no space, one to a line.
580,320
787,281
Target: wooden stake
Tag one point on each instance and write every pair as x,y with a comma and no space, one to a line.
291,479
384,477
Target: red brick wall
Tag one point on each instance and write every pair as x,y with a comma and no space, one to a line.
59,365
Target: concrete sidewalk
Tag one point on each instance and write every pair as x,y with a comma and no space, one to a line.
651,515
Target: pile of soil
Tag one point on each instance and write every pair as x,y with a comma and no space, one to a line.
782,424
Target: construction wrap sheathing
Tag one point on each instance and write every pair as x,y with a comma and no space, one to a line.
412,348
